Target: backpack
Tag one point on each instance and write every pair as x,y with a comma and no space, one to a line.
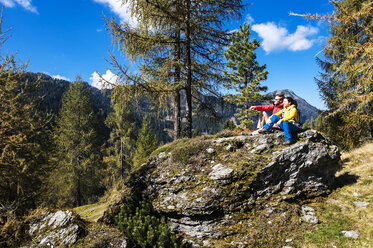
298,124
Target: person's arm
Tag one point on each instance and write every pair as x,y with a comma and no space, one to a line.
279,113
264,107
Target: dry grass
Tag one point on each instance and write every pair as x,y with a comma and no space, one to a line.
339,212
359,161
93,212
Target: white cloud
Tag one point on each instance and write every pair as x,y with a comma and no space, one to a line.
122,10
24,3
276,38
233,30
61,77
100,81
249,19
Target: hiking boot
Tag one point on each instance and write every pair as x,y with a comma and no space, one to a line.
263,131
288,143
276,128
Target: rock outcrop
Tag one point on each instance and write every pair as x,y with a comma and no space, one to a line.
54,229
203,184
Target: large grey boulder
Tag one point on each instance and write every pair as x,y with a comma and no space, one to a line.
200,183
54,229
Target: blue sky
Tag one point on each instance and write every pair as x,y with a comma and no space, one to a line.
64,38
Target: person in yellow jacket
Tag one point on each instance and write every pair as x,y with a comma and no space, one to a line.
286,119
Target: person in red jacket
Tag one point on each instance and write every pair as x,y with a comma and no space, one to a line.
275,107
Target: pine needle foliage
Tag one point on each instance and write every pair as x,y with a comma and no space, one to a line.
144,228
146,143
79,170
346,82
158,53
245,75
229,124
121,144
180,44
24,140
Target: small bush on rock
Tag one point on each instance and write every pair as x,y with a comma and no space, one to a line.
228,124
144,228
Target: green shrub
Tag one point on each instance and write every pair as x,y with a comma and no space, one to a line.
228,124
12,228
144,227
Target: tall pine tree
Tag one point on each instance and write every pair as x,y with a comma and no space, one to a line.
24,137
77,177
121,143
190,34
146,143
245,75
159,50
346,82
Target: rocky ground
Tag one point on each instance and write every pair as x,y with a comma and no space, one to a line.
238,191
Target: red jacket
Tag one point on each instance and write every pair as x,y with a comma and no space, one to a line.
270,107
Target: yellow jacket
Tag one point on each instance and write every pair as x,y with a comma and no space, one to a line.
290,114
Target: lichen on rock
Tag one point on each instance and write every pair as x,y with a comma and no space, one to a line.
199,184
54,229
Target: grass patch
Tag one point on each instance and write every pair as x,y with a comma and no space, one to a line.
85,207
329,232
187,153
225,133
90,214
171,146
338,212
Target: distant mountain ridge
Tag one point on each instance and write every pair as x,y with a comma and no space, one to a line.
211,111
51,90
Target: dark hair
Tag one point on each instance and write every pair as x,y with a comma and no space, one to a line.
280,95
291,100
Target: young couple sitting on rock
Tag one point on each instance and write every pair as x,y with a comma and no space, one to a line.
285,117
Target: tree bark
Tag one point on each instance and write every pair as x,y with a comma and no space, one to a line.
79,193
177,78
188,68
177,126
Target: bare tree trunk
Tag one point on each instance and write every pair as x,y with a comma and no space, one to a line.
177,126
177,78
78,192
188,67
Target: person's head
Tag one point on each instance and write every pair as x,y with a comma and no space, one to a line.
278,99
288,101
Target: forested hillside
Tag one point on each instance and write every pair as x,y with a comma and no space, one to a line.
51,90
210,111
